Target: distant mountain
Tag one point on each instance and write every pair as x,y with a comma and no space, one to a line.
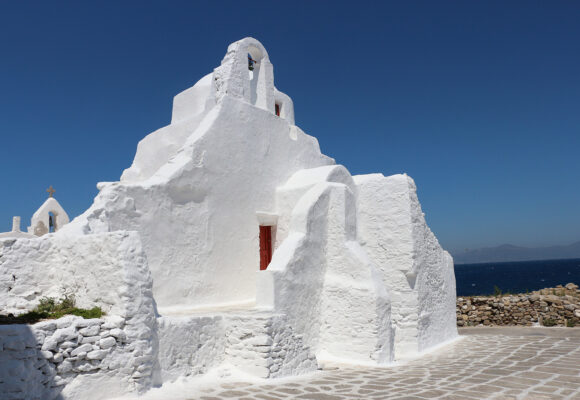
508,252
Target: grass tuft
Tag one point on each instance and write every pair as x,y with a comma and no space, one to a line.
50,308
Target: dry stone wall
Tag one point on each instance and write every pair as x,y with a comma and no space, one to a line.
559,306
39,361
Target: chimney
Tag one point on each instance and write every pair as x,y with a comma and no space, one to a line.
15,224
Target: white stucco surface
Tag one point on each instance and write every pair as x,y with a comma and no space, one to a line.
416,270
323,281
195,186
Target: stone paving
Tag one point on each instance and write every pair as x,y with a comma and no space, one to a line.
486,363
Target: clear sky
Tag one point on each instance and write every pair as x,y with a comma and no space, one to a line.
478,101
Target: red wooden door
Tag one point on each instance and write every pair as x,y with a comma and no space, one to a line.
265,246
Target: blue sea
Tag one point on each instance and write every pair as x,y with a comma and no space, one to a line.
515,277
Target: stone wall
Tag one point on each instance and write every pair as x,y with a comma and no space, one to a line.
258,343
39,360
559,306
266,346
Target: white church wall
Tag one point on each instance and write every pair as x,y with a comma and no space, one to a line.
324,283
393,231
288,195
154,150
197,214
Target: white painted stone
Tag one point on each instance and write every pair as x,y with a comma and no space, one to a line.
90,330
107,342
82,349
97,354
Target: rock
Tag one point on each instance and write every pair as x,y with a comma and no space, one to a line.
119,334
45,325
49,344
92,330
67,345
107,342
85,348
113,322
83,323
63,334
85,367
65,322
97,354
552,299
14,343
58,357
571,286
90,339
64,367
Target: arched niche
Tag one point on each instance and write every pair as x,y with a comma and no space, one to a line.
255,75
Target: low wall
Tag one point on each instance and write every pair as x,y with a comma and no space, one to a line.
190,345
559,306
91,359
73,357
258,343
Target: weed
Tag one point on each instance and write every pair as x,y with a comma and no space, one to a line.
548,322
49,308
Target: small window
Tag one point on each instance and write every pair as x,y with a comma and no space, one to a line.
277,108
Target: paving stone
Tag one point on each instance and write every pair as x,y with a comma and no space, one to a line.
487,363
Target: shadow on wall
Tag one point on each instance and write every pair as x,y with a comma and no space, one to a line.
25,372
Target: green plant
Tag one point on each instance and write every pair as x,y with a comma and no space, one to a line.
49,308
548,322
46,305
496,291
570,323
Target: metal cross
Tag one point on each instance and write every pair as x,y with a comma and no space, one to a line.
50,191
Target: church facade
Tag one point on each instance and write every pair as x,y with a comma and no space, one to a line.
250,247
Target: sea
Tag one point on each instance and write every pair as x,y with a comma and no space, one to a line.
515,277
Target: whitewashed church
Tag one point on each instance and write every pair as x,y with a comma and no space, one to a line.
230,242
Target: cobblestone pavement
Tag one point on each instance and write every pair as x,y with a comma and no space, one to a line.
487,363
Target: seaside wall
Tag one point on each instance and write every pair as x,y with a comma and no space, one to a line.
559,306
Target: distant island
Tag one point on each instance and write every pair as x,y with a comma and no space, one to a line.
508,252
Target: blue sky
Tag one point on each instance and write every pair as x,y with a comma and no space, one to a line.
478,101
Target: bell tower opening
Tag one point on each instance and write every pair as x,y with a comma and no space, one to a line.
51,222
256,76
